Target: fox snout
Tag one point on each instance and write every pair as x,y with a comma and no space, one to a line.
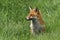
28,18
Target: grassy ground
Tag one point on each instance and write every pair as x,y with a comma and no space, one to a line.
13,25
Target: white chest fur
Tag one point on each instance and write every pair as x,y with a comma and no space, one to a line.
31,25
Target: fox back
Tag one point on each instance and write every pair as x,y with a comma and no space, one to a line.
37,23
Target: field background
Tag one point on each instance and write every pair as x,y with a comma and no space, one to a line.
13,25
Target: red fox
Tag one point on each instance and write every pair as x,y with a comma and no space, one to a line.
37,24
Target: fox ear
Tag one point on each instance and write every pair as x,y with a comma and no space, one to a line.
36,9
30,8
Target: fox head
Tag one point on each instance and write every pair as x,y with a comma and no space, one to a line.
33,13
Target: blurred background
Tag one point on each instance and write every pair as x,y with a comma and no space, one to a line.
13,25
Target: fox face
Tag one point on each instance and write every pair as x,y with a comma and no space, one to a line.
33,14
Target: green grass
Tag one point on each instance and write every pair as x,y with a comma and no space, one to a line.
13,25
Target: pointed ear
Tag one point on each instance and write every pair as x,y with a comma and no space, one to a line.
36,9
30,8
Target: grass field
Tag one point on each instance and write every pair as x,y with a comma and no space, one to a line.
13,25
